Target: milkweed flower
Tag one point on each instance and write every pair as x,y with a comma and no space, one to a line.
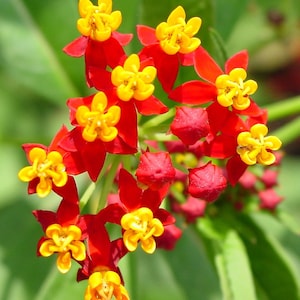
176,35
100,43
98,21
131,82
139,214
100,127
100,265
172,43
105,285
98,121
223,90
66,241
64,232
254,146
49,166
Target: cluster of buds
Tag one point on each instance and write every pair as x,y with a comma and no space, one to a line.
200,151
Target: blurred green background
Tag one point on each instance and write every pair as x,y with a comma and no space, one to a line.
36,79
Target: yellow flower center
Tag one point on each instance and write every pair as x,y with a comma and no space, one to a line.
104,286
131,82
48,167
66,242
97,122
176,35
141,226
98,22
253,146
233,90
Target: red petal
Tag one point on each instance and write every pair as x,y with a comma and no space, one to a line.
221,147
187,59
100,78
253,110
123,38
151,199
194,92
68,189
62,132
45,218
127,125
68,210
167,65
164,216
235,168
217,115
113,52
93,156
146,35
205,65
239,60
150,106
112,213
130,193
77,47
98,242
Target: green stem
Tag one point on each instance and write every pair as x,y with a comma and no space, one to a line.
87,195
155,121
289,132
283,108
108,180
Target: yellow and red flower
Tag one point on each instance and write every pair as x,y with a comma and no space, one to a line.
100,127
170,44
50,167
139,214
99,43
224,90
64,232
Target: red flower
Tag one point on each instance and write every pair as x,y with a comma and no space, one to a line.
130,83
139,214
50,167
100,43
206,182
103,254
170,45
100,127
190,124
155,170
224,89
64,232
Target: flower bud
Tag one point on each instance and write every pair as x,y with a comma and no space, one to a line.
206,182
190,124
155,169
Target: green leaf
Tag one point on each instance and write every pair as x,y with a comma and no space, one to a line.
227,14
230,258
269,261
192,269
28,57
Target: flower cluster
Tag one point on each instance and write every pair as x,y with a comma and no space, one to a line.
156,171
